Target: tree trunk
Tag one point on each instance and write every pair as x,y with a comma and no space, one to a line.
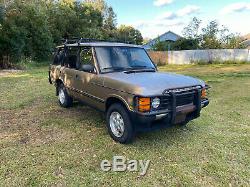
5,62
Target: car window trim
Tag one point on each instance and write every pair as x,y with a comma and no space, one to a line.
101,72
96,63
78,56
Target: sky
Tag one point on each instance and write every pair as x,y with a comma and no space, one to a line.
155,17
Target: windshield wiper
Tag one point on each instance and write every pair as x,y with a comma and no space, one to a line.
114,68
141,67
130,69
140,70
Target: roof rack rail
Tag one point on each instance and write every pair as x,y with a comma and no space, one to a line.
87,40
70,41
76,40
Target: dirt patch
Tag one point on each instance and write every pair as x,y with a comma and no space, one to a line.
9,72
23,127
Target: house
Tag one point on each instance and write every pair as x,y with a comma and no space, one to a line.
246,41
168,36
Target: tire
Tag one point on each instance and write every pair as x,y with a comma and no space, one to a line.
184,124
63,97
126,130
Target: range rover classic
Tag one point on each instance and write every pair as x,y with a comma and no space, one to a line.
122,81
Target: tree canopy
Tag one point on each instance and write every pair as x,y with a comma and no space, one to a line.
129,34
31,28
212,36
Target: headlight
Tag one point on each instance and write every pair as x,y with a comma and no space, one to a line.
156,103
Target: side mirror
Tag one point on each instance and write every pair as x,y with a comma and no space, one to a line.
88,68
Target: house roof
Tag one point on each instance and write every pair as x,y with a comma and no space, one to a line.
246,42
168,36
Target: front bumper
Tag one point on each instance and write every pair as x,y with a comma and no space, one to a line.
204,103
164,119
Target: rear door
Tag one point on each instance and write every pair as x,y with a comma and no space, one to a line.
68,69
54,70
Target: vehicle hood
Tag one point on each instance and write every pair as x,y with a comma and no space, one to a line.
148,83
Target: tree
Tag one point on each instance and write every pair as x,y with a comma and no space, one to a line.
234,41
99,5
192,30
186,44
160,45
210,36
128,34
82,21
192,37
1,13
146,40
31,28
25,31
213,36
230,40
109,18
109,26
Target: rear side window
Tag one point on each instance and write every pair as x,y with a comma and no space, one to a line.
58,56
72,57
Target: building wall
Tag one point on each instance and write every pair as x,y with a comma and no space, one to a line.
168,36
202,56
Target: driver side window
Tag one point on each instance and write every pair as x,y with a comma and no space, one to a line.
87,60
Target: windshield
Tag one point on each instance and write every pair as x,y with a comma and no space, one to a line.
112,59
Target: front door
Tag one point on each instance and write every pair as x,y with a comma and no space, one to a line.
89,84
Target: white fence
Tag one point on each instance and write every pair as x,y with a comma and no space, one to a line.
206,56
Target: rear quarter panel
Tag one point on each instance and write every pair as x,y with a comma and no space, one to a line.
54,73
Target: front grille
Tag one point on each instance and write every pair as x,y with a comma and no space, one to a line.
183,97
165,103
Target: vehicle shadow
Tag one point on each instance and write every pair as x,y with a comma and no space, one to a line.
166,136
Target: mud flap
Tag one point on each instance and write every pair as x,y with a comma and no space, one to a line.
49,78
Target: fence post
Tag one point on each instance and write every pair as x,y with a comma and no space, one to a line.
248,58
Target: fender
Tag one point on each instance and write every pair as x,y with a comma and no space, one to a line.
120,98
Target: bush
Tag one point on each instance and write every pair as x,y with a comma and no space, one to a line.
203,62
158,57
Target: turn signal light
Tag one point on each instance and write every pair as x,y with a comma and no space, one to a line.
204,93
144,104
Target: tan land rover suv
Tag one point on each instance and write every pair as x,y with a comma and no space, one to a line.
122,81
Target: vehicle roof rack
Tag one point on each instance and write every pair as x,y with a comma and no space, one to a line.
78,41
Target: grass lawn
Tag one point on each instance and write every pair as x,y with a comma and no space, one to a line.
44,144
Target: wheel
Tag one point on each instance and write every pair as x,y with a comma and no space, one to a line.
119,124
64,99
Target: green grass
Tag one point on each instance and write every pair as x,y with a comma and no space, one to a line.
44,144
